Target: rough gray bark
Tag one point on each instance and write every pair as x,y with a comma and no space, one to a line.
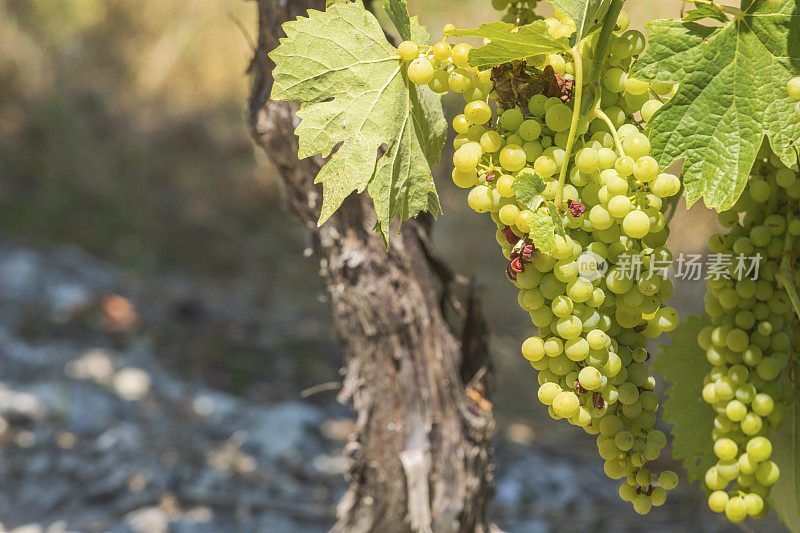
422,457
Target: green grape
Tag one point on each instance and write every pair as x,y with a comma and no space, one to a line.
545,166
475,132
477,112
512,158
636,224
793,88
615,185
590,378
624,166
530,130
508,214
759,190
460,124
467,157
645,169
619,206
614,80
726,449
491,142
759,449
465,179
754,504
480,199
548,392
600,218
735,509
785,178
558,117
649,109
767,473
533,349
642,504
408,50
460,55
536,105
666,185
636,145
717,501
459,81
511,119
566,404
636,87
420,71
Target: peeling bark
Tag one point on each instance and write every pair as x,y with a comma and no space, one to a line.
421,449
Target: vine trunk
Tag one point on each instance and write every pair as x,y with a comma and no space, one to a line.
421,449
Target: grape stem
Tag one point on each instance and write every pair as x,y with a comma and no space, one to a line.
573,127
784,275
599,54
602,116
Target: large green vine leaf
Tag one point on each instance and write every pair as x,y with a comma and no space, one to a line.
785,495
508,42
355,94
732,94
684,364
587,14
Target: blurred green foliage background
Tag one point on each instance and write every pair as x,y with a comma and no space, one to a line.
121,128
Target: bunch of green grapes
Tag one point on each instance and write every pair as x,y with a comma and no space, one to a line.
519,12
593,325
750,341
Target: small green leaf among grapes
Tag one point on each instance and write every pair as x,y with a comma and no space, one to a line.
529,188
542,232
509,42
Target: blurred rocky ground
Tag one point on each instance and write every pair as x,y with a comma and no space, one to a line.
98,433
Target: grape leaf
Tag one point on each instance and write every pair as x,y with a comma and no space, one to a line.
785,495
684,364
528,188
558,219
356,95
732,94
705,9
509,42
398,14
587,14
542,232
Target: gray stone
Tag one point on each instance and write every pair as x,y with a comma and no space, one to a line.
284,431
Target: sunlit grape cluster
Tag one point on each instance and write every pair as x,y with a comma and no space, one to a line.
593,322
750,341
518,12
